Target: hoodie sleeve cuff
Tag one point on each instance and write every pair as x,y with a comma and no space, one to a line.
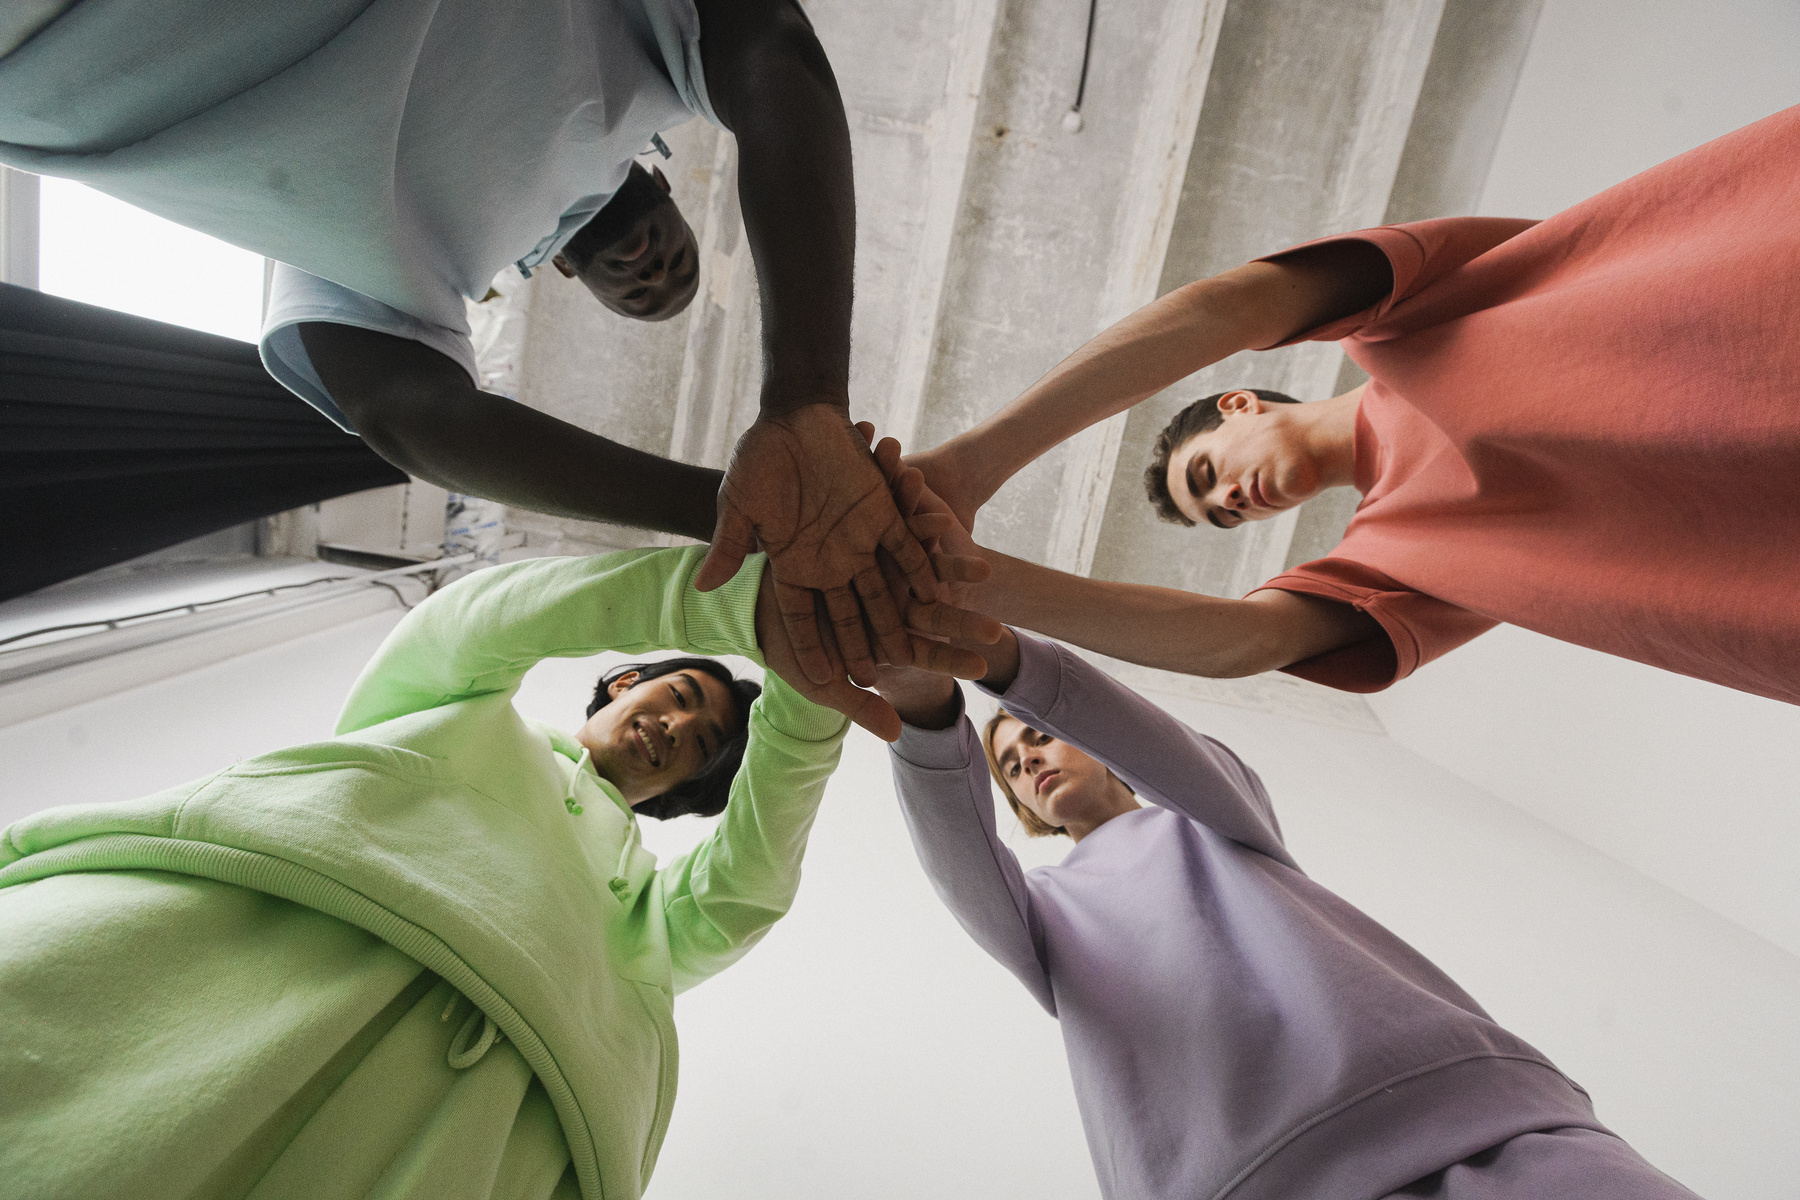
1039,681
722,621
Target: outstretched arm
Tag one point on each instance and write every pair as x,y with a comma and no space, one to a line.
1251,307
418,409
801,482
1162,627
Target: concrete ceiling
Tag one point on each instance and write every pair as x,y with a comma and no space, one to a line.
992,242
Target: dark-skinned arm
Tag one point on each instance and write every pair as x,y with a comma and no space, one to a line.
802,484
1252,307
420,411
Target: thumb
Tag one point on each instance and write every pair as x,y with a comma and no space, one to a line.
733,538
867,709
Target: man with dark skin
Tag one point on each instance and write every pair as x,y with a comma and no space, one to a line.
391,158
801,484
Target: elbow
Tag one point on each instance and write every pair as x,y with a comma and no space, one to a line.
406,428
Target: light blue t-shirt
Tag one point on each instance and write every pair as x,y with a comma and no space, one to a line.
393,155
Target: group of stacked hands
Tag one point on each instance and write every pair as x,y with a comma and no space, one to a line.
370,965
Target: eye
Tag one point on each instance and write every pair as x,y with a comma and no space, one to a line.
1012,772
680,700
636,294
1212,476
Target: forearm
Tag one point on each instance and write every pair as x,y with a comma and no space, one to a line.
486,445
418,409
1156,346
773,88
481,634
1161,627
1252,307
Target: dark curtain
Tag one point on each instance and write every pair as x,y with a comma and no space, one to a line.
121,435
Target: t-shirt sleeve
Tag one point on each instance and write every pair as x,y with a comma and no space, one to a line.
1420,253
296,298
676,27
1418,627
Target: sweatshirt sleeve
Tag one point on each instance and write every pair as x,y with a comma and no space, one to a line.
719,899
946,796
483,632
1161,759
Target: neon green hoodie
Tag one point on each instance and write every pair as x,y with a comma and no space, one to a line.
475,841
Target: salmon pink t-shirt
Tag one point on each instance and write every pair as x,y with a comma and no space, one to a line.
1587,426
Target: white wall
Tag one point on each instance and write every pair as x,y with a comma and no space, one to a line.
868,1049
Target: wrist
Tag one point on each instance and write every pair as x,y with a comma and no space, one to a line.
781,399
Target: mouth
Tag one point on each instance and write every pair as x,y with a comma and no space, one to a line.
1043,781
1254,488
648,742
630,254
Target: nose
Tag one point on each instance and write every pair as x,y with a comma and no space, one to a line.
653,273
1231,497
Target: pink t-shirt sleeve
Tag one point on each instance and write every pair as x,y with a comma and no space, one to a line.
1420,253
1418,627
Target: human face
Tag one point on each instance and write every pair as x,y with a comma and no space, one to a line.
1253,466
651,270
1065,787
658,733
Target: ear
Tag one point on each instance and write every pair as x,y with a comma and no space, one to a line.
622,684
662,181
1240,403
562,265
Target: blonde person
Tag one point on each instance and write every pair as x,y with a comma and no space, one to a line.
1233,1028
427,957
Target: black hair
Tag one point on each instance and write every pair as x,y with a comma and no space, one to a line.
1202,416
705,793
635,197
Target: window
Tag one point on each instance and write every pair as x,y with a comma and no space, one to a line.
103,251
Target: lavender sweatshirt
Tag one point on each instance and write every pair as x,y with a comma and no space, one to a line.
1233,1028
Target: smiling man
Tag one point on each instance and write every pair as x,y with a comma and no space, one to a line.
393,155
1587,426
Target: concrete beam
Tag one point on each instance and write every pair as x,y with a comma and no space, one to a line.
949,140
1159,162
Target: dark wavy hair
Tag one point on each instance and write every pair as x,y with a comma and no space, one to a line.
707,791
1202,416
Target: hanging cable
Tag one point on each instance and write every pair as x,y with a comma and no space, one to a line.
1071,121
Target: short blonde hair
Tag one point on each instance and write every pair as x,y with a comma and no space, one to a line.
1035,826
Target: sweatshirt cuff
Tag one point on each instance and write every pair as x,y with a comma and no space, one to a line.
938,749
722,621
1039,681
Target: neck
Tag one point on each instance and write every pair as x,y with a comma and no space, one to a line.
1079,828
1329,430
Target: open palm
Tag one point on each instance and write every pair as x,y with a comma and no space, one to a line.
804,487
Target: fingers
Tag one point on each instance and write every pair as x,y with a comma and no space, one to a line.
909,489
948,621
887,457
864,708
883,612
733,538
801,622
847,623
898,541
941,658
928,527
961,568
